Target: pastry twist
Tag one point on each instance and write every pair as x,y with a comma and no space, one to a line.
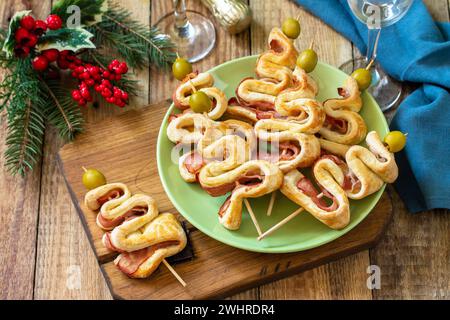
274,70
231,170
142,237
202,82
368,169
188,128
252,179
329,177
289,150
342,123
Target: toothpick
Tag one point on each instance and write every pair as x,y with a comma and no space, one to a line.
271,202
176,275
370,64
84,168
312,44
252,215
192,86
281,223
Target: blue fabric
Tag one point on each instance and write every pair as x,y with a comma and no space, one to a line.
415,49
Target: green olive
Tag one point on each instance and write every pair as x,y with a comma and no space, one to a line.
181,68
307,60
395,141
291,28
200,102
93,178
363,77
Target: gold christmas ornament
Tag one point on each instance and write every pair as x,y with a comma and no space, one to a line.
234,15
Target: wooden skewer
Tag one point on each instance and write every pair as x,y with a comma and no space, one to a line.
252,215
176,275
192,86
370,64
281,223
271,203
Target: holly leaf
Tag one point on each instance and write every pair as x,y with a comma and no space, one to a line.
10,41
91,10
66,39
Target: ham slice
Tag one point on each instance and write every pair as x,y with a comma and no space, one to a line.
176,102
130,214
287,151
351,182
129,262
306,186
260,105
194,162
108,243
334,124
224,206
219,190
112,194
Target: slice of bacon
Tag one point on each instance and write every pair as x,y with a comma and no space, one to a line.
112,194
129,215
130,262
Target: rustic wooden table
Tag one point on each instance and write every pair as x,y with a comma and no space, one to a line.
43,248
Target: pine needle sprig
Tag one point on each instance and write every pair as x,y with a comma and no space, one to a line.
135,42
24,140
20,95
60,109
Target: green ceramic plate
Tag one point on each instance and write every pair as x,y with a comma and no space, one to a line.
304,232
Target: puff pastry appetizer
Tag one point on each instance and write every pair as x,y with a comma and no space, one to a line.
142,236
201,82
274,70
342,123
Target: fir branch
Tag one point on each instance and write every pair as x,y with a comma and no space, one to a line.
24,140
60,109
137,44
20,95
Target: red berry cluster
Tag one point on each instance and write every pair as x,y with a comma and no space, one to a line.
30,30
100,79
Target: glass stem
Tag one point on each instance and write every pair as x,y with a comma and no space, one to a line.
180,13
372,43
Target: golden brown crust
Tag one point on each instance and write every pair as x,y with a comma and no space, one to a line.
328,174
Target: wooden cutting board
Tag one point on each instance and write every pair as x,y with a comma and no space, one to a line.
124,149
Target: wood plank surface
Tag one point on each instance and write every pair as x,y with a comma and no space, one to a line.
19,205
217,270
413,256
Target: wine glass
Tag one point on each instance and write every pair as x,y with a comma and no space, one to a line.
193,34
377,14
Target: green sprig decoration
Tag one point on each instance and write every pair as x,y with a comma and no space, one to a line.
31,99
133,41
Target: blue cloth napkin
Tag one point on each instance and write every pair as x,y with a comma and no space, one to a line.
415,49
